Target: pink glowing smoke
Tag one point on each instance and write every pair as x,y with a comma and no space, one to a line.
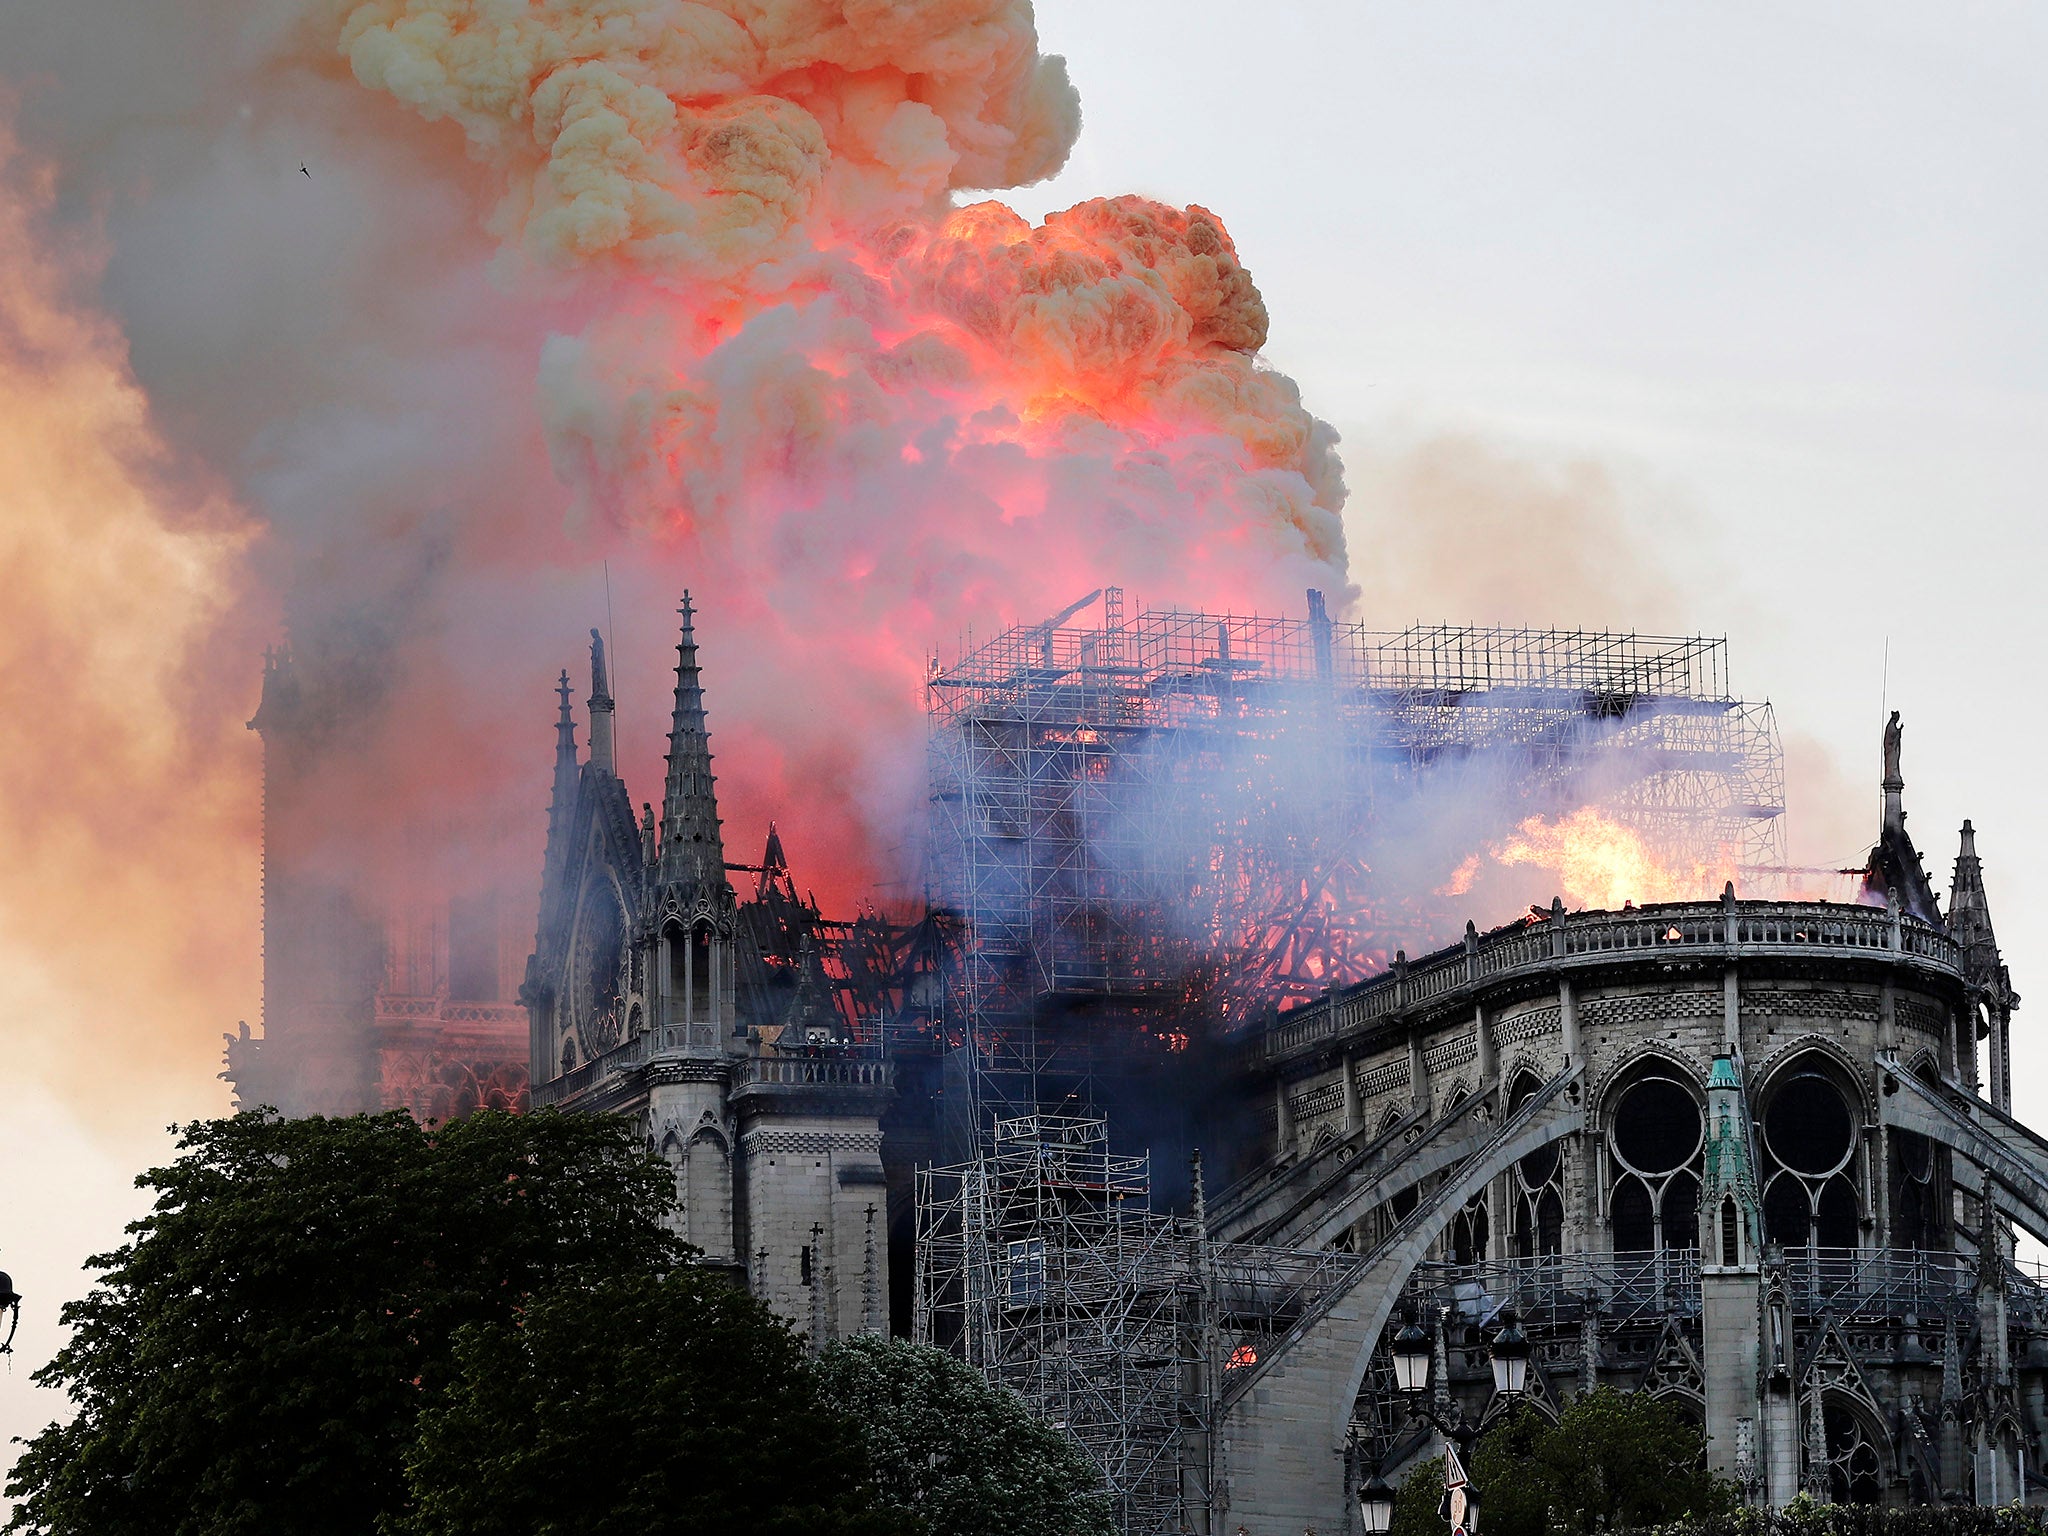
855,416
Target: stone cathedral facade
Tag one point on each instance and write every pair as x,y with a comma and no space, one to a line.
765,1105
1757,1158
406,1002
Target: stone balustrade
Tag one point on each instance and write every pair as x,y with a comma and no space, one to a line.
1569,941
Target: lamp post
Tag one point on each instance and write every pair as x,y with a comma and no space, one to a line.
10,1303
1414,1355
1376,1505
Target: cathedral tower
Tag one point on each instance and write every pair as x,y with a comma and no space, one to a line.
768,1113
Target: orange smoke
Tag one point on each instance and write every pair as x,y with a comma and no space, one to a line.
855,417
1595,861
128,793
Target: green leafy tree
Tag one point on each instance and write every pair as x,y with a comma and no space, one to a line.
1617,1460
1613,1461
256,1356
639,1407
957,1455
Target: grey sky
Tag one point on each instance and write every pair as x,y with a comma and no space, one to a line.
1777,271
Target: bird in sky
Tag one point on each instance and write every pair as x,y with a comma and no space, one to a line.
303,171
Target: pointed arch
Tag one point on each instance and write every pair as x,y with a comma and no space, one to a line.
1674,1372
675,951
702,965
1812,1114
1652,1113
1847,1450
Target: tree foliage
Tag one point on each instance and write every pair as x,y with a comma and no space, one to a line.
957,1455
363,1327
639,1407
255,1357
1805,1517
1613,1461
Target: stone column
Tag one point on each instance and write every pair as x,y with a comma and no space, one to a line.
1418,1071
1731,1316
1965,1033
1482,1041
2001,1061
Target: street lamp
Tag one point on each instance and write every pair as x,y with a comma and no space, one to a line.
1414,1354
1411,1359
1510,1357
10,1303
1376,1506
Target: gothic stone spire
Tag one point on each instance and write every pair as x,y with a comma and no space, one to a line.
600,709
692,853
561,807
1969,912
1730,1216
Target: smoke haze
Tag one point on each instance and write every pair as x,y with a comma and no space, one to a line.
125,568
460,309
399,370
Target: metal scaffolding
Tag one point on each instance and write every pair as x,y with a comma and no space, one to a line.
1216,814
1041,1262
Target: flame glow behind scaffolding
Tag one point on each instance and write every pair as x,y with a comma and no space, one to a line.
1222,813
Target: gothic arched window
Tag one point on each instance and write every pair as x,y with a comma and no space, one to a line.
678,948
1809,1155
1654,1138
1535,1188
1466,1241
598,970
1397,1209
1855,1459
1919,1192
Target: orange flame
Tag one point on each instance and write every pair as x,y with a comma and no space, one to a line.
1599,862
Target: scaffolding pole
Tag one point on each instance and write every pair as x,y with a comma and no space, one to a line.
1041,1263
1181,813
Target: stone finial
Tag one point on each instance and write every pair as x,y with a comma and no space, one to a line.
601,707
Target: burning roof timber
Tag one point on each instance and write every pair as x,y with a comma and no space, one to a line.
1122,805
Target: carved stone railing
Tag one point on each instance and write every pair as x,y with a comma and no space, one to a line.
1852,1284
622,1057
440,1009
764,1072
813,1071
1569,942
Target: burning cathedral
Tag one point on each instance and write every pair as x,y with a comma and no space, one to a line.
1149,1113
648,996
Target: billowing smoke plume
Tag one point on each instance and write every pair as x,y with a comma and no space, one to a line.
678,289
856,417
461,301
